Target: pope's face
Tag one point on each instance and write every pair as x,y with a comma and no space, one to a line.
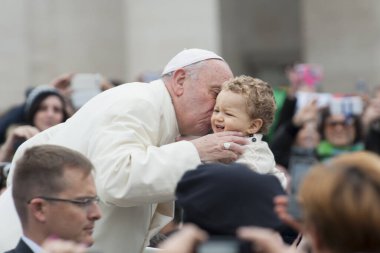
198,100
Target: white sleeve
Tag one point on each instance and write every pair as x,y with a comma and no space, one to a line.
130,168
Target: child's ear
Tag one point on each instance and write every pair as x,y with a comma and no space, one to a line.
256,125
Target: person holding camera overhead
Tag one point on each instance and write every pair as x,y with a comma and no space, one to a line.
316,134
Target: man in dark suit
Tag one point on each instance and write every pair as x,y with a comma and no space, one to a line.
55,196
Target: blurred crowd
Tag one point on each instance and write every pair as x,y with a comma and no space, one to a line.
45,106
314,126
324,197
328,146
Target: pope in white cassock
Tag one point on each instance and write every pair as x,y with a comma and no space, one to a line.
129,133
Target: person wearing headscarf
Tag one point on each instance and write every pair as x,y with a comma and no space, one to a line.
44,108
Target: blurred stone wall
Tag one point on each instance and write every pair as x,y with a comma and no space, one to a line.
344,37
156,30
40,39
261,37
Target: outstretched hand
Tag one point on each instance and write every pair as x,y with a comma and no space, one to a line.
184,241
16,136
63,84
281,209
371,113
23,132
264,240
307,113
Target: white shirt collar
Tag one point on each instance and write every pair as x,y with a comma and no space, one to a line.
32,245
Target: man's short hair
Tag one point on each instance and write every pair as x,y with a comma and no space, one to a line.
40,172
259,98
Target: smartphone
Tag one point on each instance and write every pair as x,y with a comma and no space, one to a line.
225,244
85,86
299,165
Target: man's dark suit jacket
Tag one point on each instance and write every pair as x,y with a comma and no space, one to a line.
20,248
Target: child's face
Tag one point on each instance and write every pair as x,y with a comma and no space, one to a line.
230,113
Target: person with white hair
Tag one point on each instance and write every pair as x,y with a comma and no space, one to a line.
129,133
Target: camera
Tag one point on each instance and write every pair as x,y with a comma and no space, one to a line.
225,244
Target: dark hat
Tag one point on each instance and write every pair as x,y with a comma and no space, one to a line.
220,198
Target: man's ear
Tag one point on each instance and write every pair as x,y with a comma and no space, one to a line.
179,77
256,125
38,209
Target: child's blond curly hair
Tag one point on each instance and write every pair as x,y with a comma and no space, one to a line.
259,98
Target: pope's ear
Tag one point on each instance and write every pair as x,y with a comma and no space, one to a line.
179,77
255,126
